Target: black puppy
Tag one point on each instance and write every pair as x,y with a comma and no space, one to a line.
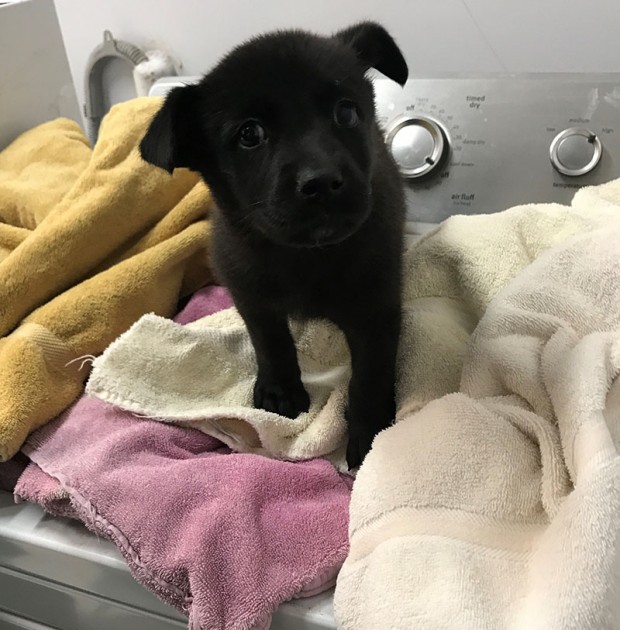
311,206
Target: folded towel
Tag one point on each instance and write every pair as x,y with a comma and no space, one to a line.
499,506
203,375
224,538
89,241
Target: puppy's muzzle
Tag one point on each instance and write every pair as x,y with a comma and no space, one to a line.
319,185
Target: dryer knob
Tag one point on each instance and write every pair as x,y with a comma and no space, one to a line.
419,145
575,152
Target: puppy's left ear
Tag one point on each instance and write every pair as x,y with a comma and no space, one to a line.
171,140
375,48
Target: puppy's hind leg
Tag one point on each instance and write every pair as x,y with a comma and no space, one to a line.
278,386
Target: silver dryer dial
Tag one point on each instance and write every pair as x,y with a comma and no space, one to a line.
418,144
575,151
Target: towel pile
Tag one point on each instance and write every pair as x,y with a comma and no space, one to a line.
494,501
89,242
223,537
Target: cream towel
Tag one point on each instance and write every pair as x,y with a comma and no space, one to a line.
203,375
453,273
499,507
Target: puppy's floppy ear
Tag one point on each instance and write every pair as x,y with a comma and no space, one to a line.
171,139
375,48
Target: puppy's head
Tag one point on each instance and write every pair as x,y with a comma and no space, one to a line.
283,132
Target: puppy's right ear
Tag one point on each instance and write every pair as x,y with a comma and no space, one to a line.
376,48
171,139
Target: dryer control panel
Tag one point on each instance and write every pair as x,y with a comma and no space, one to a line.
468,145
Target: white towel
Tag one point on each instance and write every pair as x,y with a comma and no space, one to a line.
453,273
202,375
499,507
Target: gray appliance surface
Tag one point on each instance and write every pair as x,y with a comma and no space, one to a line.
55,574
498,133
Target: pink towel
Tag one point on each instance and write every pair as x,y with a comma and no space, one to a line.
205,302
223,537
36,486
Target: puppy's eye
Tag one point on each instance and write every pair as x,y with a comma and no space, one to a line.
251,135
346,114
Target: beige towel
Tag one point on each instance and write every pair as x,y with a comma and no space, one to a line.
203,375
499,507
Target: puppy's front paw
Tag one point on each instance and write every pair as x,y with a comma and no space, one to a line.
288,400
362,432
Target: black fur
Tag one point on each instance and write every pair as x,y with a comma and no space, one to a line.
310,221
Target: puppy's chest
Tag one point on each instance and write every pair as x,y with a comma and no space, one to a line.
307,288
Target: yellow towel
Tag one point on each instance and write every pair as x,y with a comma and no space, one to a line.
89,242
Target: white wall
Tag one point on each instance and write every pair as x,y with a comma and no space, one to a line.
35,82
469,36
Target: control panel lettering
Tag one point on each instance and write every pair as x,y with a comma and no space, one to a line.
463,199
566,185
475,101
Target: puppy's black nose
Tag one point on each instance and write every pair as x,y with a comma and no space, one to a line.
315,185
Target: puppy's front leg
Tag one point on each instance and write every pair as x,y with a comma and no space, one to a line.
278,385
373,342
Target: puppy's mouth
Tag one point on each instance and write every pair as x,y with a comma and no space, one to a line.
315,234
324,236
311,225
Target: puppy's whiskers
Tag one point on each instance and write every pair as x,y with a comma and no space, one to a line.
252,208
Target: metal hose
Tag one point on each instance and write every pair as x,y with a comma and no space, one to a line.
94,108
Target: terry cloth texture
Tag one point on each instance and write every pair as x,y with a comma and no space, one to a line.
499,506
224,537
89,242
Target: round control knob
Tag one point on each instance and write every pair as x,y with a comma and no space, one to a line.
575,152
419,145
